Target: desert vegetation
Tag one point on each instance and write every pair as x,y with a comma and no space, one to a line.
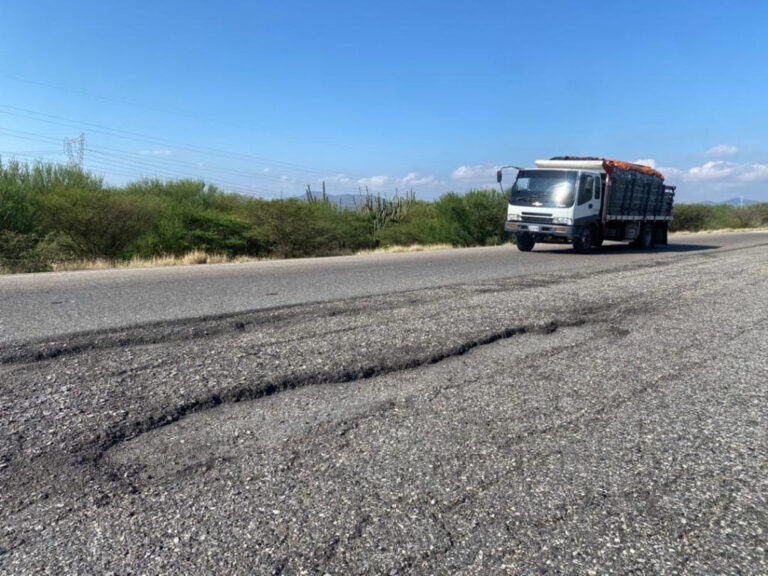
55,217
699,217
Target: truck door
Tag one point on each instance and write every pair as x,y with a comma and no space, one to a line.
587,207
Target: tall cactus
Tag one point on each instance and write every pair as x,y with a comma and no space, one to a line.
382,210
312,199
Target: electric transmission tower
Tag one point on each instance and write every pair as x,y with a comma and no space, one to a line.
75,148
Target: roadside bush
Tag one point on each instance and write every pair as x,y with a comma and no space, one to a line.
752,216
695,217
420,225
99,223
217,233
487,210
294,228
474,219
760,212
30,252
689,217
18,253
18,212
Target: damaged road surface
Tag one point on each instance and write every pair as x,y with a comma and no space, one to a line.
610,422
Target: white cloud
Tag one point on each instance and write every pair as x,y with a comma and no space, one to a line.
156,152
650,162
413,180
714,170
476,172
375,182
670,171
336,179
754,172
717,180
416,179
722,150
720,170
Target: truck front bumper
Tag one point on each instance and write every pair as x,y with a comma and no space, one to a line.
541,230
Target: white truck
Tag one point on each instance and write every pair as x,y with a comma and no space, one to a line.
587,200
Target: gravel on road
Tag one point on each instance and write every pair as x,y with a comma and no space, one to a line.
582,422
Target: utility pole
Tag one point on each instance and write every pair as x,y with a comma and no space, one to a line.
75,148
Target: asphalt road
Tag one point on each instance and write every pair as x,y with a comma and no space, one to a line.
44,305
572,421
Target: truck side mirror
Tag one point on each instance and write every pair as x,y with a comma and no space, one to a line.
498,176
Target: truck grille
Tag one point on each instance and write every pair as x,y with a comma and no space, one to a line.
537,219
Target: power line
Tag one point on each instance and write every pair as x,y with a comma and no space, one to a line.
137,165
139,161
126,134
164,110
148,159
29,136
131,170
30,152
159,166
138,172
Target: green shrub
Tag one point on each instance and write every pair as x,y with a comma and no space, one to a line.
99,223
474,219
421,225
690,217
18,212
695,217
51,213
30,252
487,212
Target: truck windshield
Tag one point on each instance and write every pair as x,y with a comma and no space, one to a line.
548,188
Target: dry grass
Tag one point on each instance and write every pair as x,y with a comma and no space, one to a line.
718,231
189,259
200,257
401,249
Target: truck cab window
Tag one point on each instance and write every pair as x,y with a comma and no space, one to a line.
587,185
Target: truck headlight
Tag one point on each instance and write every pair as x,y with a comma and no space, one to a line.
561,220
514,217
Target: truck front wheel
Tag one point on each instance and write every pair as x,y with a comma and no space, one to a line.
597,239
525,242
583,242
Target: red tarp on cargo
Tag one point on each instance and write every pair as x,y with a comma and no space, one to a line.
611,164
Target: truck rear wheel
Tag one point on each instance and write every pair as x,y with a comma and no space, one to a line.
661,233
646,237
583,242
525,242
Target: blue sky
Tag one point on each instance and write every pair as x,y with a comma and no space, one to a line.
267,97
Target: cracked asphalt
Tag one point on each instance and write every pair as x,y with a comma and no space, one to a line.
586,422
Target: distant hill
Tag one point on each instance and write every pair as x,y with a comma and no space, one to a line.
740,202
346,201
732,202
349,201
